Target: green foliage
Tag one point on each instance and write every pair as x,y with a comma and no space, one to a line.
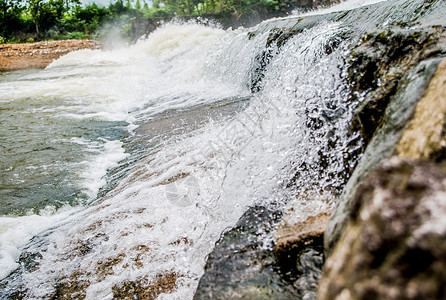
85,19
26,20
77,35
128,5
200,7
138,5
52,34
90,13
10,21
46,14
117,8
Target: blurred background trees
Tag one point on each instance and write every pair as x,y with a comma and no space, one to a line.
31,20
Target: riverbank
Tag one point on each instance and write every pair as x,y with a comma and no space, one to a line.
39,55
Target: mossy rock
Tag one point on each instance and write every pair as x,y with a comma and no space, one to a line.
377,66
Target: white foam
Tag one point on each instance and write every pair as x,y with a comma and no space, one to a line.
109,85
175,39
106,156
112,84
15,232
345,5
167,213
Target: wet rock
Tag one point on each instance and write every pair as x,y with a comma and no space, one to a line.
293,239
143,289
299,252
394,245
380,61
248,264
72,287
385,138
242,264
425,136
11,287
279,36
309,267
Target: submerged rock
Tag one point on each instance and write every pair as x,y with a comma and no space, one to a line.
144,289
394,245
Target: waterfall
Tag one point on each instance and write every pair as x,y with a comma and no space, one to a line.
188,129
204,148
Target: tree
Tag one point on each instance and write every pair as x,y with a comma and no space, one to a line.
128,5
10,13
145,6
46,14
117,8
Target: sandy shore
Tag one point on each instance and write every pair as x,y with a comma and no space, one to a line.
39,55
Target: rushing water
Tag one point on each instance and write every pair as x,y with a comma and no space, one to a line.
127,165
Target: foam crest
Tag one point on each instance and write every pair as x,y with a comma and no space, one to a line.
345,5
107,156
174,39
15,233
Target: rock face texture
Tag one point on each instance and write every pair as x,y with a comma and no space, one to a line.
299,252
394,245
387,109
379,66
247,263
292,235
242,266
425,136
412,126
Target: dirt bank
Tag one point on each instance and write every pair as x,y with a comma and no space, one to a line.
39,55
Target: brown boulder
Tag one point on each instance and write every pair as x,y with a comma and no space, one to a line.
425,136
394,247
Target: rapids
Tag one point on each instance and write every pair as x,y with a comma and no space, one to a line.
127,165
